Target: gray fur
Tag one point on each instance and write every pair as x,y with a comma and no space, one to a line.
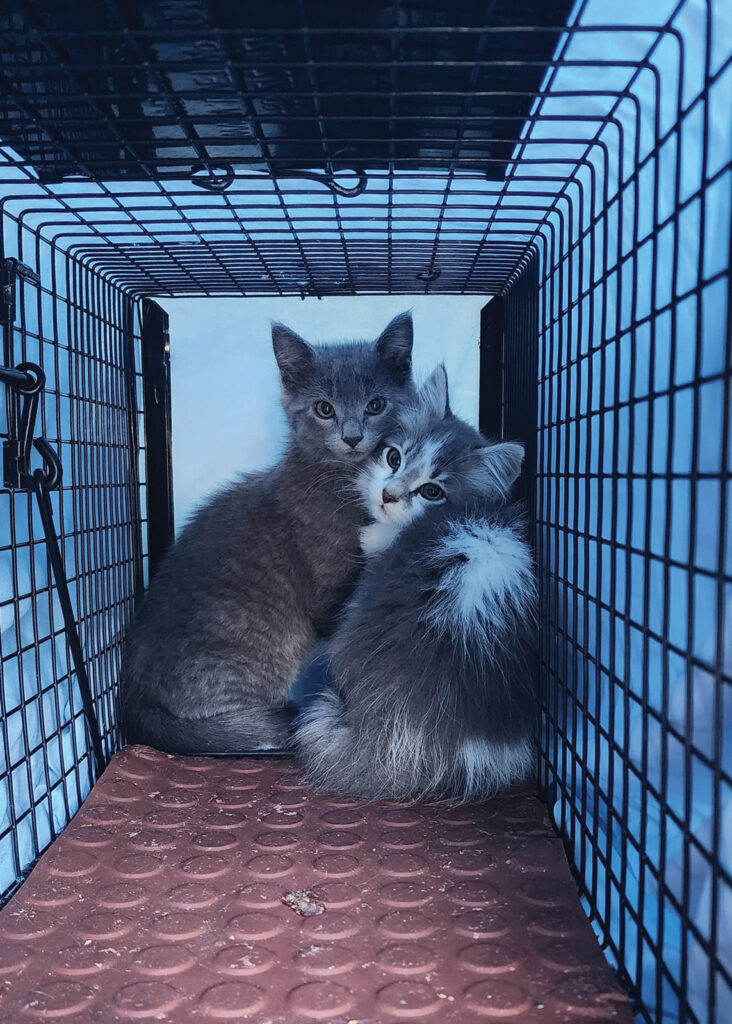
431,661
261,571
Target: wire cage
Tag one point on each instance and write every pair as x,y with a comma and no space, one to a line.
573,163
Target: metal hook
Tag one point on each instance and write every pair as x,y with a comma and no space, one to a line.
218,176
53,470
329,180
428,276
28,380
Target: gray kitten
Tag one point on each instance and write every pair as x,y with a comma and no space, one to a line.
262,569
431,685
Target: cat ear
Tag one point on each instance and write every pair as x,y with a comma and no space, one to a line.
433,395
294,356
502,462
394,347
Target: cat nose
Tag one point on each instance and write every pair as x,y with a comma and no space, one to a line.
387,497
352,439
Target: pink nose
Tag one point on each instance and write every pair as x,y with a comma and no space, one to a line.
386,497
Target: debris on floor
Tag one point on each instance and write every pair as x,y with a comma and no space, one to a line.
305,902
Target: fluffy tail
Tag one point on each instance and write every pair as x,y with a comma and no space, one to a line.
396,761
486,583
490,766
233,732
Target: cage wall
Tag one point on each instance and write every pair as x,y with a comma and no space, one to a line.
633,531
84,333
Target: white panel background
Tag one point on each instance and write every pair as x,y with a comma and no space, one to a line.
225,384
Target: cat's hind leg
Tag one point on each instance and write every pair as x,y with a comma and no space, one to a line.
232,732
327,745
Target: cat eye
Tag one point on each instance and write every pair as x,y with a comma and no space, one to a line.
393,458
432,492
375,406
324,409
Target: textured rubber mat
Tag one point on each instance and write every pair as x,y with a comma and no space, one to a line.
203,890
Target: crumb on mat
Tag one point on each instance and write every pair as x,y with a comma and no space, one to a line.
305,902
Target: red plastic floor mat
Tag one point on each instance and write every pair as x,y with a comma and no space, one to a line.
191,890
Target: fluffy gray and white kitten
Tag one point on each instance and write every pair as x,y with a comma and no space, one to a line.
261,571
431,685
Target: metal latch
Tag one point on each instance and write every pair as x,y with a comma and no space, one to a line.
10,271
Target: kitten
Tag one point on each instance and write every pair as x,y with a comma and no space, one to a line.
432,689
262,569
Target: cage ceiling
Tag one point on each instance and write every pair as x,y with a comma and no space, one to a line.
147,90
196,147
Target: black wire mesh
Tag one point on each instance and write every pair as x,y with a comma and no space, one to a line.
482,158
634,532
414,107
82,331
145,89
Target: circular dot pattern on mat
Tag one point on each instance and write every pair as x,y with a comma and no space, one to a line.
406,924
270,865
28,923
54,893
480,924
405,894
489,957
407,958
338,894
401,839
260,894
85,958
325,960
192,895
276,841
321,999
58,999
13,958
337,865
178,925
338,840
138,865
230,999
71,862
150,839
331,926
195,889
161,961
407,999
94,835
122,894
244,958
104,925
497,998
255,926
142,999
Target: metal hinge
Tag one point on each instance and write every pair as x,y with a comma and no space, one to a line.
10,270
